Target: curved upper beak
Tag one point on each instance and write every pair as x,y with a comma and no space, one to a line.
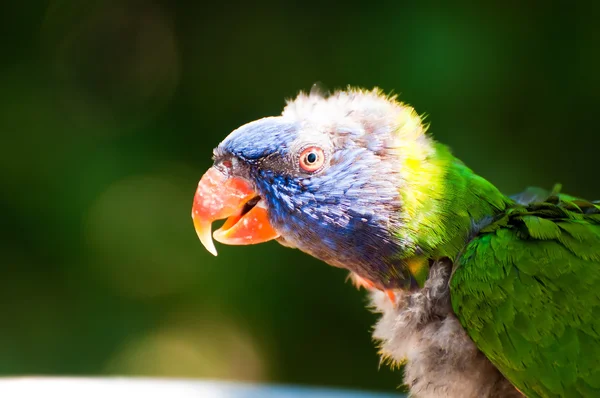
220,196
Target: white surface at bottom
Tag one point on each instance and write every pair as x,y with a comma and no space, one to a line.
100,387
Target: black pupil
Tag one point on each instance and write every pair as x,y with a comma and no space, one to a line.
311,157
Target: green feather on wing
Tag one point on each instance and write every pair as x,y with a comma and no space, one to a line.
527,291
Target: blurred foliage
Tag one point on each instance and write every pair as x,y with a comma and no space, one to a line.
109,111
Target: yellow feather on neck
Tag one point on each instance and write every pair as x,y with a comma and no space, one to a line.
441,196
421,171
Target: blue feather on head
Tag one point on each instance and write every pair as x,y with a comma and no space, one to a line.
346,213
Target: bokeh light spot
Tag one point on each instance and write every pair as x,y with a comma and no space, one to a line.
188,346
140,235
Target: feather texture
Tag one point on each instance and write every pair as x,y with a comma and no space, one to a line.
440,360
526,290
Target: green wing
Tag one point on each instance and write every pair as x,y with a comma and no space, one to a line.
527,291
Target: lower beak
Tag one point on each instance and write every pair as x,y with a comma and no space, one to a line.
219,196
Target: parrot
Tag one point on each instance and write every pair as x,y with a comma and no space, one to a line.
480,294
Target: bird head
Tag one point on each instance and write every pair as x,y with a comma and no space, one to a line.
330,176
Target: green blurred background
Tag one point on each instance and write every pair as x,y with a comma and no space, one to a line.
108,114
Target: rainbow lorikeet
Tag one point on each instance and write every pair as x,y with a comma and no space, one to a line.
481,294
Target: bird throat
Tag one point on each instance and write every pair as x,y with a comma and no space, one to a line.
364,248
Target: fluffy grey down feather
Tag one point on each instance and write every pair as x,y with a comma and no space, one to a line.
421,330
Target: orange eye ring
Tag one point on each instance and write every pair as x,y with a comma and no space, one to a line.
312,159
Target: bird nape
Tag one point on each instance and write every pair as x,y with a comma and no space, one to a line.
481,294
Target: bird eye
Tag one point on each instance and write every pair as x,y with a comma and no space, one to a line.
312,159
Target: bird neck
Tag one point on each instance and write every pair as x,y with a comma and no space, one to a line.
443,200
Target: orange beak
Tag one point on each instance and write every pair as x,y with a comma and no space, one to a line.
219,196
